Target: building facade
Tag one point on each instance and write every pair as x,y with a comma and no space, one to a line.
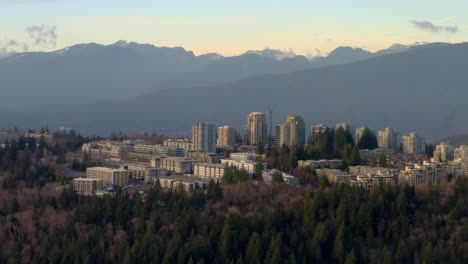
110,177
413,144
226,136
209,171
87,185
256,129
177,164
388,139
282,135
204,137
443,152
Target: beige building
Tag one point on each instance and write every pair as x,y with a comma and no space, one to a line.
292,133
388,139
426,173
204,157
226,136
177,164
110,177
143,172
413,144
87,185
256,129
185,144
282,135
187,183
204,137
209,171
443,152
461,152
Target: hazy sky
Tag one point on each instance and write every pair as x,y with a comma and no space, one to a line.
231,26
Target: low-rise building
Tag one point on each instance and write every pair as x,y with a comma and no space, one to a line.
320,164
373,170
110,177
209,171
189,184
177,164
204,157
185,144
143,171
268,176
426,173
87,185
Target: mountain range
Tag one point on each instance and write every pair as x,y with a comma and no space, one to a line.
421,88
88,73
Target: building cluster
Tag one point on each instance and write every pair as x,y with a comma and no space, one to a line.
98,178
204,157
367,177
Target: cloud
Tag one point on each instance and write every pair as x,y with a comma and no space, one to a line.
42,34
13,45
431,27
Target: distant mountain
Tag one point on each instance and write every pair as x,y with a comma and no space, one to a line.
273,54
423,89
86,73
347,55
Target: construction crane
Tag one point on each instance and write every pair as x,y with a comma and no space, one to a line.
270,112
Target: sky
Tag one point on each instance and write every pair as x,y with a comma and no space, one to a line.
231,27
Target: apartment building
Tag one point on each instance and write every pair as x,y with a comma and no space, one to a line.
226,136
426,173
184,143
413,144
282,135
388,139
142,171
177,164
204,137
110,177
87,185
187,183
256,129
443,152
209,171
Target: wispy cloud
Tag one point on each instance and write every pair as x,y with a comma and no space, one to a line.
431,27
43,34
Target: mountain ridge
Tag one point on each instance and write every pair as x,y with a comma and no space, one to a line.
402,90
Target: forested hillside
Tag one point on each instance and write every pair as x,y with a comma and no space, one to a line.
240,223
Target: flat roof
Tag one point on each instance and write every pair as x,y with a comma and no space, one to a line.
104,169
86,179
